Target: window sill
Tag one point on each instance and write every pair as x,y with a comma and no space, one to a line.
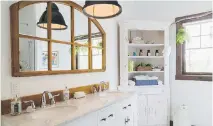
194,77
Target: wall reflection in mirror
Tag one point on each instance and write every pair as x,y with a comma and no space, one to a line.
33,53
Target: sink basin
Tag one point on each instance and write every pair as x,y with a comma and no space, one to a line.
106,97
45,113
110,94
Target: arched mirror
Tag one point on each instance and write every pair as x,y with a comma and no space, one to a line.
55,38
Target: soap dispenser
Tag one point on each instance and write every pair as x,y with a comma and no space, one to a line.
66,94
16,107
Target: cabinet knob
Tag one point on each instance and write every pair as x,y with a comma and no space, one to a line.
111,115
124,107
104,119
129,105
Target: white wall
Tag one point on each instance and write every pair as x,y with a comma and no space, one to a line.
33,85
196,94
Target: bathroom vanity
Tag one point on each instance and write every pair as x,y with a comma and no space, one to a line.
107,109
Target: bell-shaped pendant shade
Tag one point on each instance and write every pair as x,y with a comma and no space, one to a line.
57,22
102,9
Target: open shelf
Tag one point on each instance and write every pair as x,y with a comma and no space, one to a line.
132,57
144,45
145,72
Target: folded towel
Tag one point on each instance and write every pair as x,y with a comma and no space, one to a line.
131,83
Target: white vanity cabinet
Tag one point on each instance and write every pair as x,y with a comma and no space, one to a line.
152,110
120,113
87,120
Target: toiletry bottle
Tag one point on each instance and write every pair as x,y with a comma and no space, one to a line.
134,54
156,53
66,94
16,107
148,53
141,53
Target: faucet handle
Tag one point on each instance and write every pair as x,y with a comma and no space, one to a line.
32,105
93,89
105,88
53,98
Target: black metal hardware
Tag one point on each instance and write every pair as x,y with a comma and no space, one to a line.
111,115
124,107
129,105
104,119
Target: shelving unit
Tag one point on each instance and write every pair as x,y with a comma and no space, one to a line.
144,45
145,72
155,97
154,57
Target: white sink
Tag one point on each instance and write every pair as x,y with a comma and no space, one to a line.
46,113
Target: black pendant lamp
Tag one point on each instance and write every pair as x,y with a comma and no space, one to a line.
57,22
102,9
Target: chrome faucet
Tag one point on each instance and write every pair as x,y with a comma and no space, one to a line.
51,97
104,85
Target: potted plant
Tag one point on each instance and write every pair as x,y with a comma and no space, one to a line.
144,67
181,36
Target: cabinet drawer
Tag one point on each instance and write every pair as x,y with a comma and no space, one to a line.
106,115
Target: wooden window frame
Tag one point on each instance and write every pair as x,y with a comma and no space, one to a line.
180,51
15,35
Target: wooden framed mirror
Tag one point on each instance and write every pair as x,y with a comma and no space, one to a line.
55,37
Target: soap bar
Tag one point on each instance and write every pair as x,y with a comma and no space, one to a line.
79,94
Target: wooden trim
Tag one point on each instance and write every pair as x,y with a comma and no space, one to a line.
90,43
14,30
5,104
73,60
104,52
49,35
14,11
180,51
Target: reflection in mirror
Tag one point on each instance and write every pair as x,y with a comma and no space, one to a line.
96,36
96,58
61,56
63,34
81,27
28,18
33,55
81,57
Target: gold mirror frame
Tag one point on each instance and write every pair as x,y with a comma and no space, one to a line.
15,35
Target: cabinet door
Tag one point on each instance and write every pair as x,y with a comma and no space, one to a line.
142,110
88,120
157,110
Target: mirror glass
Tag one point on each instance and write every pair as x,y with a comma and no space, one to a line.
33,55
96,58
63,15
28,19
81,28
81,58
96,36
61,56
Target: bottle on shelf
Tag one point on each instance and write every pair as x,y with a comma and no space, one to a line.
134,54
148,53
156,53
141,53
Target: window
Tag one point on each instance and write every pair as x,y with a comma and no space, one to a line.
194,57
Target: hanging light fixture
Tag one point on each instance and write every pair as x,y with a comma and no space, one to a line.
57,21
102,9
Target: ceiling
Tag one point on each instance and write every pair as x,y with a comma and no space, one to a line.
161,10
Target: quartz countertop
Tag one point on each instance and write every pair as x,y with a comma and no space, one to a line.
64,112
